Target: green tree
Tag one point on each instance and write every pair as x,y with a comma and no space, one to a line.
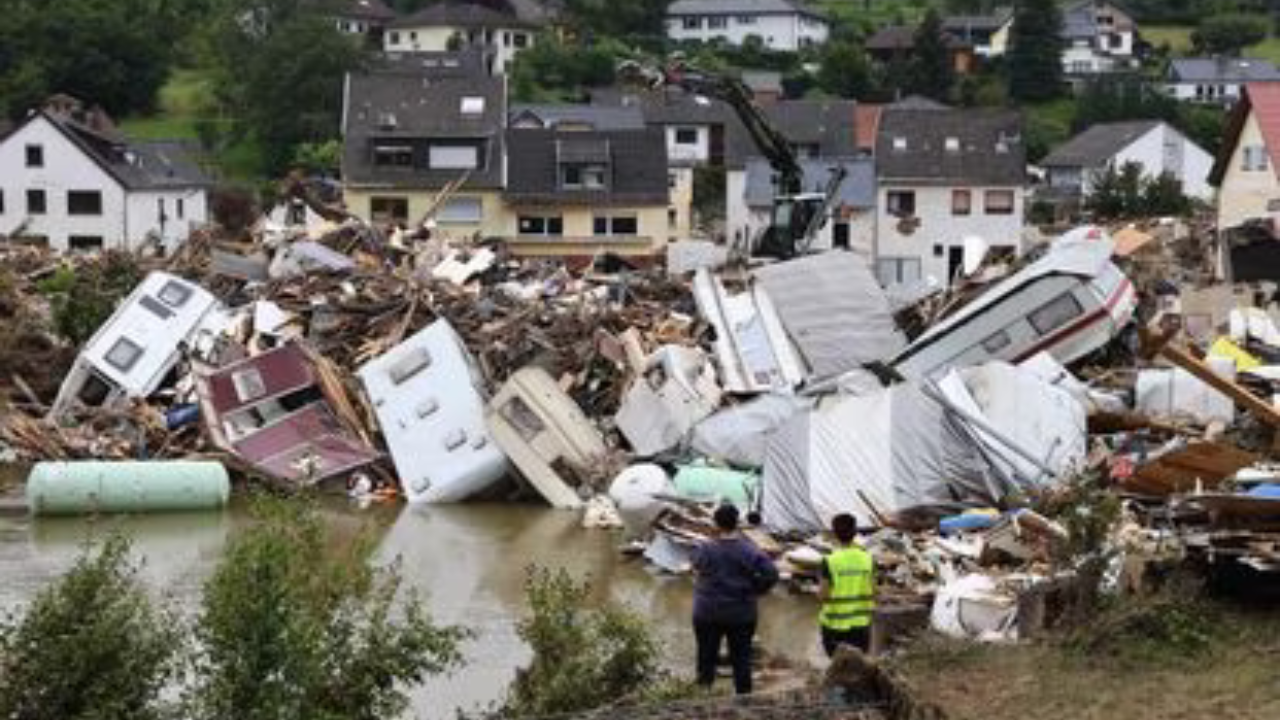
618,19
930,72
1105,200
844,71
113,53
1229,33
296,625
585,655
278,69
85,297
91,646
1035,51
1162,195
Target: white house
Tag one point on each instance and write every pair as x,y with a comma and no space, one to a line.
362,17
1216,80
1158,147
780,24
1247,169
453,25
945,176
1098,37
68,180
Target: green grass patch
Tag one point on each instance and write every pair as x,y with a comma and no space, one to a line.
1177,37
184,98
1268,49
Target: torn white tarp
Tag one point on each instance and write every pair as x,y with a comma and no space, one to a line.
689,255
1045,423
973,606
752,349
458,267
635,492
871,455
1177,394
834,310
739,435
662,406
304,257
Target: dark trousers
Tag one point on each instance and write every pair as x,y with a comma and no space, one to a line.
859,637
709,636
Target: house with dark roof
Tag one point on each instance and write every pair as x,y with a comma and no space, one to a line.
1216,80
1247,169
988,34
1098,36
361,17
779,24
576,117
410,133
450,25
586,192
1156,146
944,176
897,43
69,180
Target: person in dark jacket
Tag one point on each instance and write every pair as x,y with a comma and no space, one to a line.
731,574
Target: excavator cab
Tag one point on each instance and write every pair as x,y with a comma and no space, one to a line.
787,233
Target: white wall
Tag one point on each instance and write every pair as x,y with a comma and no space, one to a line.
697,152
1248,194
1218,93
779,32
436,39
66,168
1189,163
939,227
144,215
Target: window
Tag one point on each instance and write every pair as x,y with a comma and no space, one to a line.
899,143
521,40
1,201
902,202
35,202
393,155
389,209
746,19
1255,157
175,294
461,211
673,217
155,307
160,209
395,38
123,355
952,144
182,208
85,243
998,202
84,202
686,136
591,177
1055,313
540,225
414,362
671,185
960,202
895,270
717,22
249,384
454,157
506,39
472,105
996,342
616,225
35,156
693,23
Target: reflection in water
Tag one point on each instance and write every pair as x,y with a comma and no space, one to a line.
468,561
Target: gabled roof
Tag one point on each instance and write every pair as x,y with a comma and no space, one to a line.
599,117
987,148
1262,99
857,191
423,107
1078,20
373,10
460,13
1098,144
903,37
992,22
741,7
825,124
1222,69
636,161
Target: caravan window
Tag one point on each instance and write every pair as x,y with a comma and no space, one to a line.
1056,313
249,384
175,294
412,364
996,342
155,307
123,355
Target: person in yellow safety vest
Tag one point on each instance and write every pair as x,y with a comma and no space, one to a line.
846,588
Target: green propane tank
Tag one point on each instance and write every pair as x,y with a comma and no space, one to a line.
92,486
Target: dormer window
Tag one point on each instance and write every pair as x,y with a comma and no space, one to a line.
393,155
899,143
953,145
472,106
583,177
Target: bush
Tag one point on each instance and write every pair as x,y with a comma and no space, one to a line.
582,658
90,646
84,298
295,624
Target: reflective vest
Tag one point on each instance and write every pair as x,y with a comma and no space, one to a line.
852,597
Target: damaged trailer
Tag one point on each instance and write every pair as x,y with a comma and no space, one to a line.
1069,303
133,352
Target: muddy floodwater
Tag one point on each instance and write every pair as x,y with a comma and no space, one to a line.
468,560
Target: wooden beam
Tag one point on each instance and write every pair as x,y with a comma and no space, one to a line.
1260,408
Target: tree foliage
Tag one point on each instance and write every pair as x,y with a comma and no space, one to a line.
931,73
1035,51
1229,33
296,625
585,655
644,18
90,647
84,298
113,53
1127,192
844,71
277,67
556,70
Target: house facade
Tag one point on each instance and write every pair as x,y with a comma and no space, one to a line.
1098,37
779,24
897,43
1217,80
368,18
1245,171
988,35
1158,147
944,176
407,135
69,181
582,193
852,222
455,24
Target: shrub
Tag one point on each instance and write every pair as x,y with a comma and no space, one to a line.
84,298
92,645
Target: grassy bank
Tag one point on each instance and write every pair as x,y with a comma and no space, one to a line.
183,101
